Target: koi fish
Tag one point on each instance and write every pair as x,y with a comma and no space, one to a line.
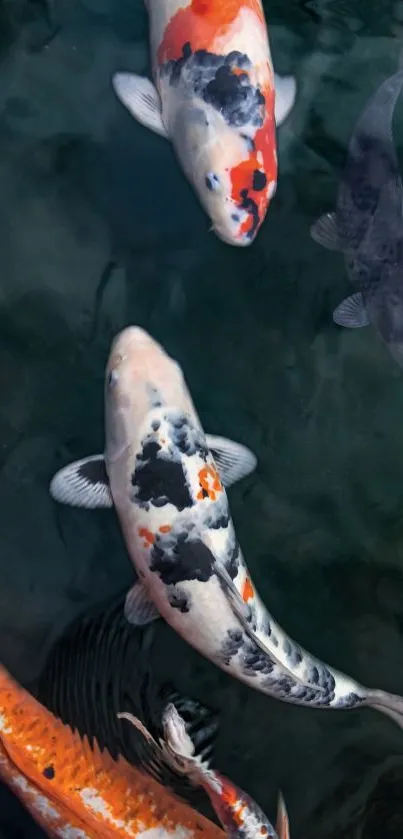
367,225
239,815
176,521
216,98
74,791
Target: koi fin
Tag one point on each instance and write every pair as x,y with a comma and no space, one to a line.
140,97
139,609
100,666
324,232
282,823
233,460
85,482
352,312
241,609
174,751
244,614
286,91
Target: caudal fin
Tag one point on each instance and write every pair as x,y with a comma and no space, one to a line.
388,703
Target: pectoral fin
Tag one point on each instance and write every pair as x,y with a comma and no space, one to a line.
234,461
286,90
139,609
324,232
84,483
141,99
352,312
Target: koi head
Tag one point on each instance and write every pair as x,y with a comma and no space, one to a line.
151,431
140,378
233,169
239,814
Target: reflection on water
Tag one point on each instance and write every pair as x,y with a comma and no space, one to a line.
99,229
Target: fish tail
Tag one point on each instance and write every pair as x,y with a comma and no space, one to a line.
388,703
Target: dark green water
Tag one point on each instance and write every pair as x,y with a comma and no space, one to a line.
90,203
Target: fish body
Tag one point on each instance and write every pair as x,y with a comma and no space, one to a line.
240,816
76,792
214,98
175,517
368,223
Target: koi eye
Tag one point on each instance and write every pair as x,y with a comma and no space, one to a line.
112,378
213,182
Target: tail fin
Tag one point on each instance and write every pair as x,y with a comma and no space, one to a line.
388,703
282,823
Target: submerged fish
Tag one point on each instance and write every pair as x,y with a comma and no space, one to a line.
215,99
368,223
175,517
239,815
74,791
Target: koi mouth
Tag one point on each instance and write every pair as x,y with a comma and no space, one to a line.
238,240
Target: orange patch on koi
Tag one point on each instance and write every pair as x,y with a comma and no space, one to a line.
242,175
200,24
229,794
247,590
210,483
165,528
148,537
237,806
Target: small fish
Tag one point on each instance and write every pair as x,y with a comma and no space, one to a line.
216,98
368,223
239,815
74,791
175,517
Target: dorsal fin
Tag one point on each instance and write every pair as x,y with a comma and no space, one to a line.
101,666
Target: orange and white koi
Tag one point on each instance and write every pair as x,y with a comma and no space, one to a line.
217,99
175,517
240,816
74,791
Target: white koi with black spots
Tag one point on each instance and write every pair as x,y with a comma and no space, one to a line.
175,517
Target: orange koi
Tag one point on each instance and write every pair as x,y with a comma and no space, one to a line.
74,791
